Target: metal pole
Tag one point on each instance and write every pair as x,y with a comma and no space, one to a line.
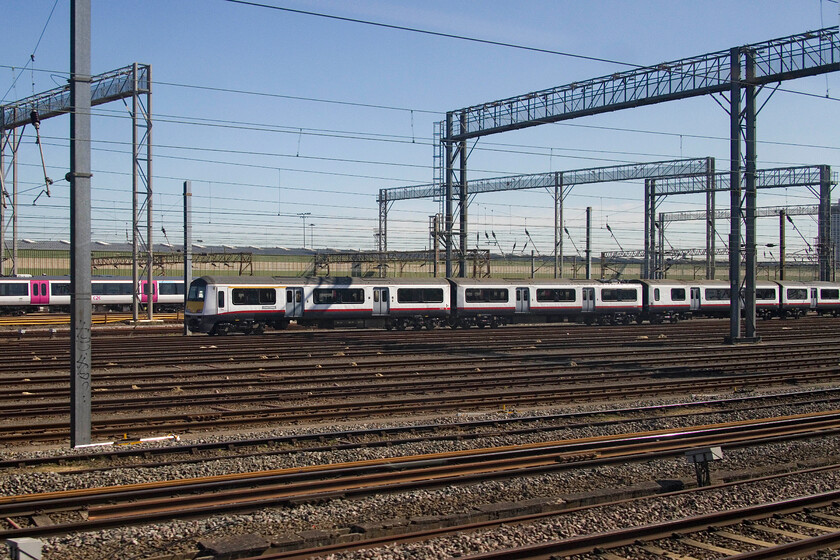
3,142
750,249
824,224
15,206
448,197
652,217
79,176
149,191
558,225
646,264
661,252
589,243
735,195
436,238
187,248
782,219
383,221
135,218
710,220
464,202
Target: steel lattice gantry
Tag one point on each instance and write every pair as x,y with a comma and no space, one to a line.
802,176
694,169
738,71
134,81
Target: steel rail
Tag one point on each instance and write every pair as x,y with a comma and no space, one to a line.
456,377
142,503
116,426
362,438
624,537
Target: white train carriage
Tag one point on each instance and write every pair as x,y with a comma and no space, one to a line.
794,299
616,303
483,302
553,300
413,303
669,300
766,299
222,305
380,302
825,298
218,305
22,294
15,294
713,297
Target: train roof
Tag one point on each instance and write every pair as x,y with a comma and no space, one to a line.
95,278
324,280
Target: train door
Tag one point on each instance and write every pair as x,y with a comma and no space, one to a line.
294,302
381,301
588,300
523,300
39,293
813,298
144,292
695,299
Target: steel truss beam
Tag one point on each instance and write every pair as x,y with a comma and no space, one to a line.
163,260
131,81
556,180
796,56
104,88
763,212
324,260
804,176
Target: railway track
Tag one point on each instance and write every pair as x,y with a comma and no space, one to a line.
149,502
769,531
213,415
402,435
56,319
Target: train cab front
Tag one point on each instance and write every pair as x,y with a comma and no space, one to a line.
199,318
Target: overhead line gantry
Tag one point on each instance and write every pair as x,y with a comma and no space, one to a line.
738,71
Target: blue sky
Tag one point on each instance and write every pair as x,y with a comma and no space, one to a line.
325,113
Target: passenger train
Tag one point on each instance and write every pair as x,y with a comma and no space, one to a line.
20,294
219,305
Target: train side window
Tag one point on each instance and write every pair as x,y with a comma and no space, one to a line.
797,293
376,296
221,299
717,294
16,289
677,294
288,296
829,293
60,289
433,295
298,296
268,296
765,293
170,288
498,295
656,294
